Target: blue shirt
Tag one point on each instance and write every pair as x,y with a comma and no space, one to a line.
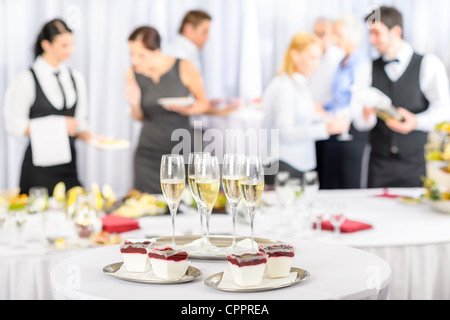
343,81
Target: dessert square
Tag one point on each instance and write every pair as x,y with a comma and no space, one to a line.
134,255
280,258
247,269
168,263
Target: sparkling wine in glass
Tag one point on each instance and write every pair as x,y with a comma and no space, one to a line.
252,187
194,162
207,182
173,181
232,175
345,114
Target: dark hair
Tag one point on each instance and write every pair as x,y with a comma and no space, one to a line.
194,17
49,31
389,16
149,37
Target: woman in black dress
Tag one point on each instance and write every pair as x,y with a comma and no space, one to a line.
48,88
152,76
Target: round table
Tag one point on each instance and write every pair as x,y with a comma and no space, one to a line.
337,272
25,267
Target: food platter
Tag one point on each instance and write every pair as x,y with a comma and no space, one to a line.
179,102
297,276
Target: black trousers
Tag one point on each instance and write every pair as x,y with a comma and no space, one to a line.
340,163
396,171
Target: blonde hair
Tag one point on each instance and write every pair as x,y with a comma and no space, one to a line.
300,42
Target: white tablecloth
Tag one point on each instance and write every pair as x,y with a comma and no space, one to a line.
337,272
412,238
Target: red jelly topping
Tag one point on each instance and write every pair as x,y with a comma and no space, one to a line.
168,254
281,254
132,249
247,259
280,251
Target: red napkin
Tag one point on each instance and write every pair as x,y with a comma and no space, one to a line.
386,194
117,224
348,226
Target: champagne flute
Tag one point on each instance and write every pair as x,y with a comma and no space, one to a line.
38,199
19,217
173,181
232,174
252,187
346,114
207,181
85,216
194,159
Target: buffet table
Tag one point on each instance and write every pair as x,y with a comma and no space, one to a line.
336,272
412,238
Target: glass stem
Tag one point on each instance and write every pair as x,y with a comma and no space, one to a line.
252,220
200,212
233,214
173,213
208,215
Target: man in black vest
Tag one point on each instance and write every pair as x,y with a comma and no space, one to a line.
418,86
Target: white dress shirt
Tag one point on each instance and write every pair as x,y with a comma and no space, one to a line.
434,84
21,95
289,108
321,81
185,49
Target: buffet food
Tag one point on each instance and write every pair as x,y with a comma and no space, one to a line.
138,204
437,181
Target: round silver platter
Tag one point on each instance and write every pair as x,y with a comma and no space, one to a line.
192,274
214,281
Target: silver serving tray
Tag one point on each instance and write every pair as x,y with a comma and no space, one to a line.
219,241
192,274
214,281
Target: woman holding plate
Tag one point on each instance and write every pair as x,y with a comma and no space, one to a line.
152,77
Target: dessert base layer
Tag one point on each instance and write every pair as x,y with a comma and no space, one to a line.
135,262
169,270
278,267
248,275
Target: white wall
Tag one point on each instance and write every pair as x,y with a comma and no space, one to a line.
247,41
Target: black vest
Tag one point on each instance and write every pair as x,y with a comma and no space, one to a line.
405,93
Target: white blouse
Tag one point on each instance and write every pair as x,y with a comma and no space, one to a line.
434,84
289,108
21,95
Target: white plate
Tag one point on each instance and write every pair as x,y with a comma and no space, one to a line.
179,102
111,144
